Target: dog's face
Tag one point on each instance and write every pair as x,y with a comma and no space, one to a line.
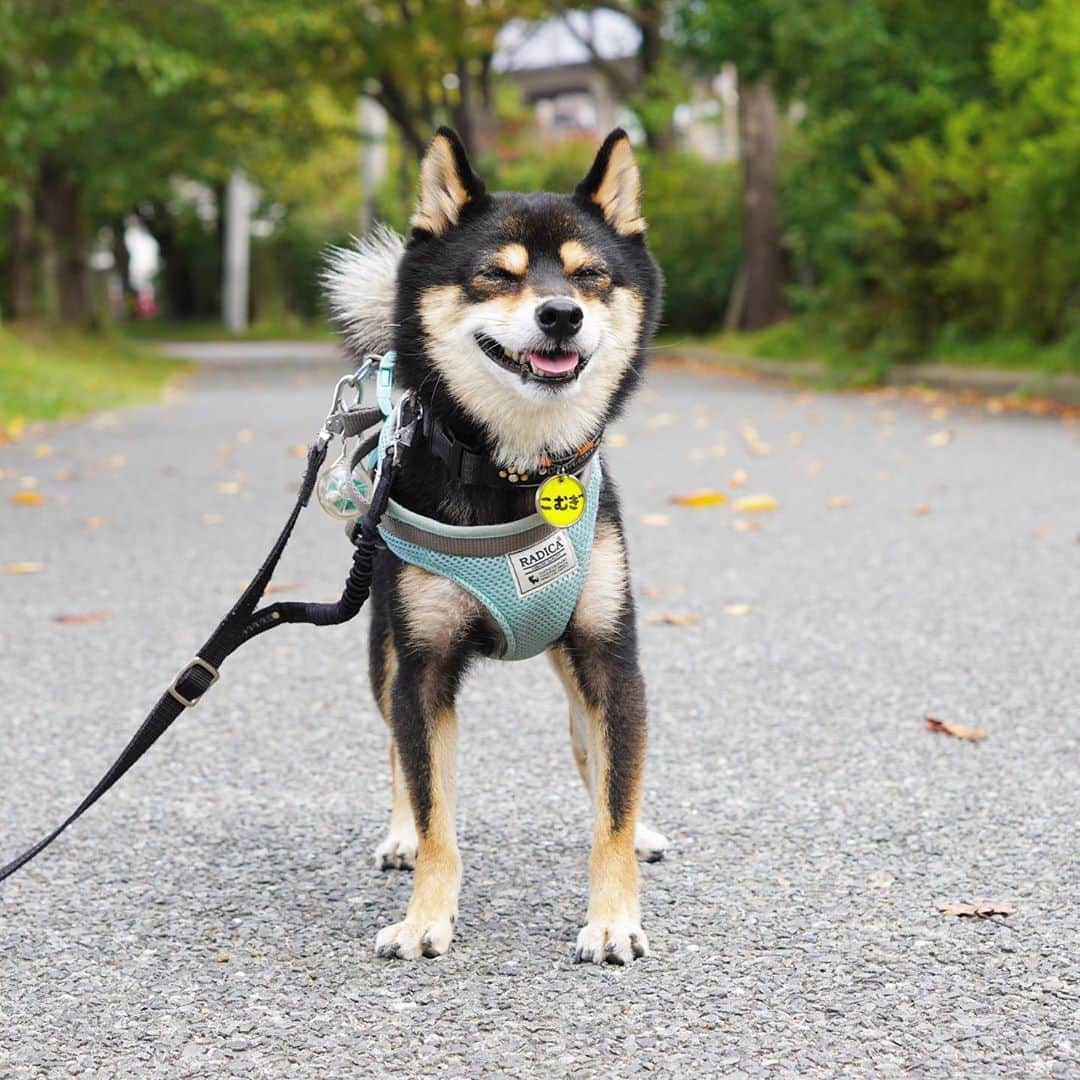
530,313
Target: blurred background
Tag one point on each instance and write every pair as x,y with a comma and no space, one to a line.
861,182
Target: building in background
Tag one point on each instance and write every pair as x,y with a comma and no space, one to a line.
554,64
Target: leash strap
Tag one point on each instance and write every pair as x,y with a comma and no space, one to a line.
243,622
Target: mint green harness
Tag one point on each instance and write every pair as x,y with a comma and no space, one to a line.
527,573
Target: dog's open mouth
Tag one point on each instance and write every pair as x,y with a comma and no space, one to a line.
554,366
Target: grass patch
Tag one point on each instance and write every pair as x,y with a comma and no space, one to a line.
285,329
47,375
795,341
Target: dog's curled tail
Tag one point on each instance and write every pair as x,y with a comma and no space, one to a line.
359,283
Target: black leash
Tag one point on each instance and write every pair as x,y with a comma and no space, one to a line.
245,622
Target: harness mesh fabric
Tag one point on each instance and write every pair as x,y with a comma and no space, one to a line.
529,623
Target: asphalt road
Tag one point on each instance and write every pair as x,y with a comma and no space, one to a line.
216,914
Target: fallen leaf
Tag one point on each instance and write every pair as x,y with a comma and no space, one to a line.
653,591
224,450
27,498
615,440
939,412
796,438
65,474
737,478
227,487
754,442
718,449
838,502
27,482
746,525
16,426
995,407
211,519
675,618
813,467
117,461
736,609
921,510
661,419
957,731
274,587
977,908
82,619
43,450
299,450
22,568
699,498
244,435
1042,532
94,522
940,438
657,520
754,504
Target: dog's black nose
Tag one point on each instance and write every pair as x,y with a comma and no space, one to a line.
559,317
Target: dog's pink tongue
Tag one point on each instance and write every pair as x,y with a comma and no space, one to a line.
558,364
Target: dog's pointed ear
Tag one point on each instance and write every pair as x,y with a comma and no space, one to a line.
613,184
447,184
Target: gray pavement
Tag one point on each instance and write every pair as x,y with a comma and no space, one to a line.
216,914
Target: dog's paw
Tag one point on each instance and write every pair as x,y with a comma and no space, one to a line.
409,941
650,845
614,942
397,851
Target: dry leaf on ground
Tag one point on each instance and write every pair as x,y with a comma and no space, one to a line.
700,498
671,618
744,525
117,461
244,435
921,510
940,438
754,504
838,502
657,520
298,451
227,487
978,908
22,568
957,731
211,519
1041,532
82,618
615,440
43,450
737,609
653,590
274,587
27,497
94,522
737,478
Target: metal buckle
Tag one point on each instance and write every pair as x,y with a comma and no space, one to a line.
198,661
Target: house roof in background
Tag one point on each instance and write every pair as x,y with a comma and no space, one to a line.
528,46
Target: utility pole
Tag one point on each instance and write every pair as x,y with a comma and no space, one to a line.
373,124
240,200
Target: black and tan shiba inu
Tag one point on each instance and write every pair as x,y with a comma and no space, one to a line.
521,324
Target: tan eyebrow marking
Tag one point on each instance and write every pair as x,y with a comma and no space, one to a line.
513,258
574,256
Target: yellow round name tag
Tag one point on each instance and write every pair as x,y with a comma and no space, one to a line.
560,500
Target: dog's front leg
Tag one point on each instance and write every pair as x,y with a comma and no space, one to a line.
425,737
611,690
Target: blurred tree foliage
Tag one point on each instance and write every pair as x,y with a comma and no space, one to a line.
909,167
